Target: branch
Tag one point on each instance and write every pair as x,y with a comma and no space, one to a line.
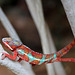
69,6
13,66
35,8
11,31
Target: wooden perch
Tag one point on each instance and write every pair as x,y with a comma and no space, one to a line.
15,67
23,68
35,8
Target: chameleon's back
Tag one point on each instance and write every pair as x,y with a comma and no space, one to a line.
11,43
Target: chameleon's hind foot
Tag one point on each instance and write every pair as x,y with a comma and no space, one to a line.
20,60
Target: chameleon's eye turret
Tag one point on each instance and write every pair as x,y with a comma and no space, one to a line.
11,43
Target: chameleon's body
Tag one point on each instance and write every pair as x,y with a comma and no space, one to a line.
25,53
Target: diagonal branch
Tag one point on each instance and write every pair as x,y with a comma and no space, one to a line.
23,65
13,66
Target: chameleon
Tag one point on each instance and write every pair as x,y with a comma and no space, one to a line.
25,53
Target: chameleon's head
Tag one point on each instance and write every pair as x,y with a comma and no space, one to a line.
11,43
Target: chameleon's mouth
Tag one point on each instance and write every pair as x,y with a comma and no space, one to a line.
4,40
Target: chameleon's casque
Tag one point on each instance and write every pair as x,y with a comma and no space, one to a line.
11,43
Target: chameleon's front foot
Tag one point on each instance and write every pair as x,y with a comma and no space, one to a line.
3,55
14,57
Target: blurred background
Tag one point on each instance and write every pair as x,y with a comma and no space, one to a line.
19,16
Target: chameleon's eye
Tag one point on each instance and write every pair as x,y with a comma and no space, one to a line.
16,43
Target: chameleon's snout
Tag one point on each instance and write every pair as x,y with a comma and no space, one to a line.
6,42
6,39
11,43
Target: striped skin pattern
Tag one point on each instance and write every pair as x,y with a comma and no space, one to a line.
25,53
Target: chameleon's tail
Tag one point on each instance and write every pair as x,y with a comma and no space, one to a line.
66,59
65,49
